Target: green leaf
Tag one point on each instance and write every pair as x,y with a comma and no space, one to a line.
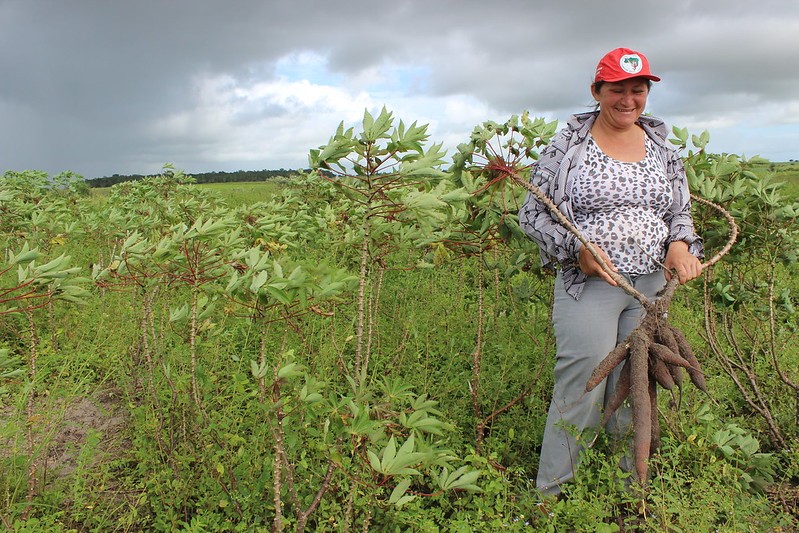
375,129
279,295
374,461
25,256
277,268
258,371
681,134
258,281
463,478
398,462
290,370
181,313
399,490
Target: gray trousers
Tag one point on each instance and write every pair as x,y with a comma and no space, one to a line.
585,331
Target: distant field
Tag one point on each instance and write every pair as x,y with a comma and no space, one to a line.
245,192
237,193
787,172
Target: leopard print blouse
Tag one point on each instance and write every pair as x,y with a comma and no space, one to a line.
620,206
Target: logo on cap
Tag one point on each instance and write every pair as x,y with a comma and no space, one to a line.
631,63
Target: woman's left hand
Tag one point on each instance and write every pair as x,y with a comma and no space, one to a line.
684,263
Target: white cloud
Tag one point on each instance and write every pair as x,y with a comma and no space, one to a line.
263,122
110,87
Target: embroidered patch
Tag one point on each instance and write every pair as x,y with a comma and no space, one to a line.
631,63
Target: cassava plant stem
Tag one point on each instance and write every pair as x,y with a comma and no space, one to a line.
30,409
362,283
474,385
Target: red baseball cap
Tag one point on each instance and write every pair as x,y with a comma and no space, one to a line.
622,64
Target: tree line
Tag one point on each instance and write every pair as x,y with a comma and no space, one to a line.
202,177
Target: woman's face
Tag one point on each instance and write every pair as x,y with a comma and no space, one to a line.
622,102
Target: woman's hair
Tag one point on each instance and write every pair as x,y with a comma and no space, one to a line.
598,85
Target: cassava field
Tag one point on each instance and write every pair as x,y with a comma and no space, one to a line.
367,348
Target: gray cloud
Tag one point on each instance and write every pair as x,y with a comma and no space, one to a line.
102,87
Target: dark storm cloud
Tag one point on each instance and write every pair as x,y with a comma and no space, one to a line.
100,87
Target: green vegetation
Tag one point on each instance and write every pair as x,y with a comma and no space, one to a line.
784,172
365,349
789,174
205,177
245,192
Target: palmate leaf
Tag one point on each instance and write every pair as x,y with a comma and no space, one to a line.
398,497
25,256
338,147
457,196
278,294
374,129
258,370
408,140
70,291
290,370
179,314
424,403
393,462
421,421
311,390
330,289
258,281
463,478
362,424
425,165
681,136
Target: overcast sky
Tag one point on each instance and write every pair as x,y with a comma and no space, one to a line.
100,87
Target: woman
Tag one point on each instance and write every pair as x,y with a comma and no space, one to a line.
612,173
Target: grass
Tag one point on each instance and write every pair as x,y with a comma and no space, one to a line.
235,193
786,172
246,192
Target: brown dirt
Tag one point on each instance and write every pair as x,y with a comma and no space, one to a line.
100,413
61,428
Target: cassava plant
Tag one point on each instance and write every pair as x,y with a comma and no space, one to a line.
488,219
156,206
370,449
34,287
399,200
195,257
360,430
150,206
190,257
749,320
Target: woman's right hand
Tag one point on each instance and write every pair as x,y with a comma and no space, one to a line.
591,267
